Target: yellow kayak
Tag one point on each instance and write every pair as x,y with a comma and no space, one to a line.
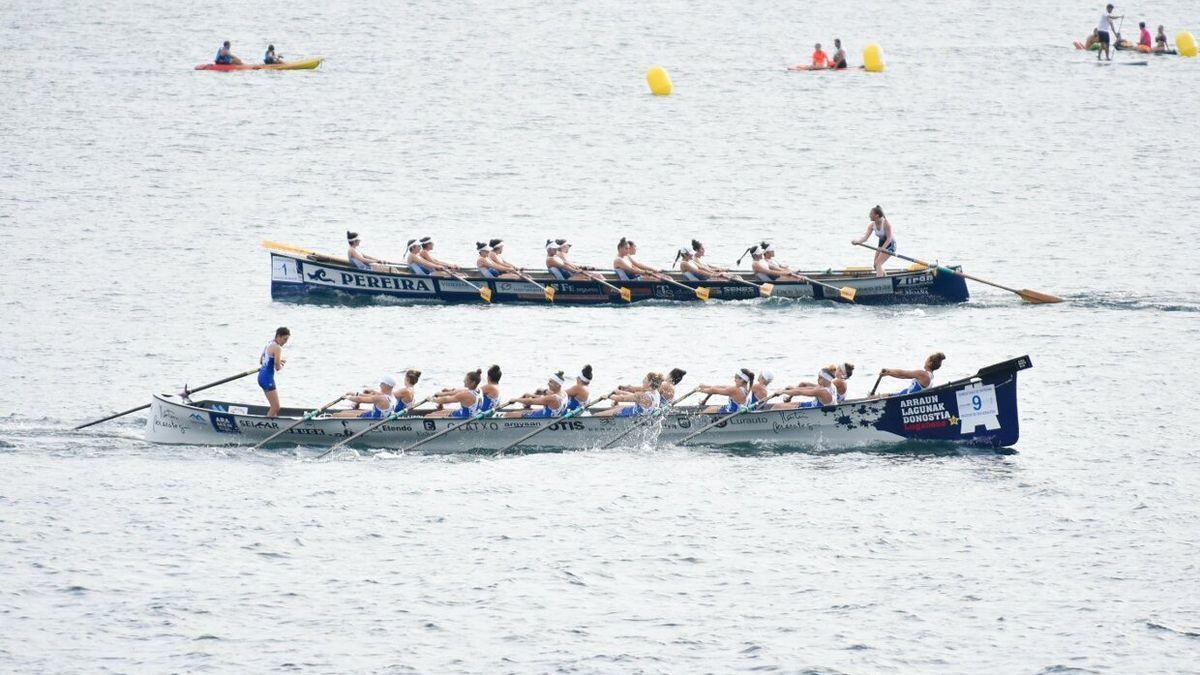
306,64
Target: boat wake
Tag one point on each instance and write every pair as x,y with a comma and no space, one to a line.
1128,301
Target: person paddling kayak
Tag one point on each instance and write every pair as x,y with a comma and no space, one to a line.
226,57
1106,30
271,58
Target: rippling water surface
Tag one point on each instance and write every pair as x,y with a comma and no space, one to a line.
135,192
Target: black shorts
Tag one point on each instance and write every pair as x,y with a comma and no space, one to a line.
1103,35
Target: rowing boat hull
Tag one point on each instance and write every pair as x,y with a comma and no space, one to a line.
295,277
980,411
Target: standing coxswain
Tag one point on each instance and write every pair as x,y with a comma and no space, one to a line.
644,401
738,392
468,398
359,259
382,401
881,227
923,378
269,362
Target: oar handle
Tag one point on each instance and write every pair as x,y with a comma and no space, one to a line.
943,268
877,381
185,392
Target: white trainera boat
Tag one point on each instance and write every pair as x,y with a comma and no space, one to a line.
977,411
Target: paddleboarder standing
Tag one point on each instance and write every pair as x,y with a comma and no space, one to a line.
1106,30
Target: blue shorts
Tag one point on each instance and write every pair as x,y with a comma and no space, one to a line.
267,383
632,411
543,413
462,413
373,414
891,248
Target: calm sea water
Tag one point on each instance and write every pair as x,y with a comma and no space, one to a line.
135,192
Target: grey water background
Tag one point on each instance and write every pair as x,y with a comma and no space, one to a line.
135,192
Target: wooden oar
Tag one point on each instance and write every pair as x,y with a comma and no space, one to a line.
765,289
185,392
701,292
554,420
547,290
723,419
474,418
306,417
643,421
286,248
1027,295
484,291
393,416
625,293
845,292
877,381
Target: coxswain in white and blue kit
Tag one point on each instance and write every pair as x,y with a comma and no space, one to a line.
553,402
468,398
577,394
881,227
270,361
645,401
383,403
921,379
359,259
738,392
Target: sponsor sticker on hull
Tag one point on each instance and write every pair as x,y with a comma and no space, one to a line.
363,280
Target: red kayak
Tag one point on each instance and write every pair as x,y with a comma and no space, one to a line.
307,64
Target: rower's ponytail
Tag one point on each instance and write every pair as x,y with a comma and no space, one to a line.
474,377
749,252
696,245
935,361
412,376
678,255
586,372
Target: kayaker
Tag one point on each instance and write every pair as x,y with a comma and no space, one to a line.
1160,41
921,379
886,240
1144,39
226,57
359,259
839,55
271,58
1105,31
270,361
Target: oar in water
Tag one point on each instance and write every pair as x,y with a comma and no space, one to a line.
548,290
554,420
1027,295
646,419
392,417
701,292
474,418
185,392
765,289
725,418
306,417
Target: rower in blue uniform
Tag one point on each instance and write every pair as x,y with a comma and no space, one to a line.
644,401
881,227
468,398
823,392
758,391
921,379
270,361
382,401
490,391
577,394
406,394
738,392
553,401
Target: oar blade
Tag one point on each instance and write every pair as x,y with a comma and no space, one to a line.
1038,298
485,293
766,290
626,294
847,293
550,291
702,293
268,244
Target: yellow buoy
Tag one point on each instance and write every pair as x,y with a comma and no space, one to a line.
1185,43
659,81
873,58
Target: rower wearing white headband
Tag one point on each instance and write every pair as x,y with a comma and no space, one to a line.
382,401
499,264
577,394
359,259
553,402
416,261
490,264
558,265
823,392
758,391
427,256
738,392
688,265
841,373
764,267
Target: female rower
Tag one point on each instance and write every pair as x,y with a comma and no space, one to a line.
270,361
490,391
415,259
430,261
698,256
738,392
688,265
382,401
558,265
490,266
577,394
359,259
776,267
468,398
643,402
921,379
762,267
758,390
553,402
507,271
882,229
667,388
823,392
406,394
841,373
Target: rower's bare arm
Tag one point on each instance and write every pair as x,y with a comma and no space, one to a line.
903,374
